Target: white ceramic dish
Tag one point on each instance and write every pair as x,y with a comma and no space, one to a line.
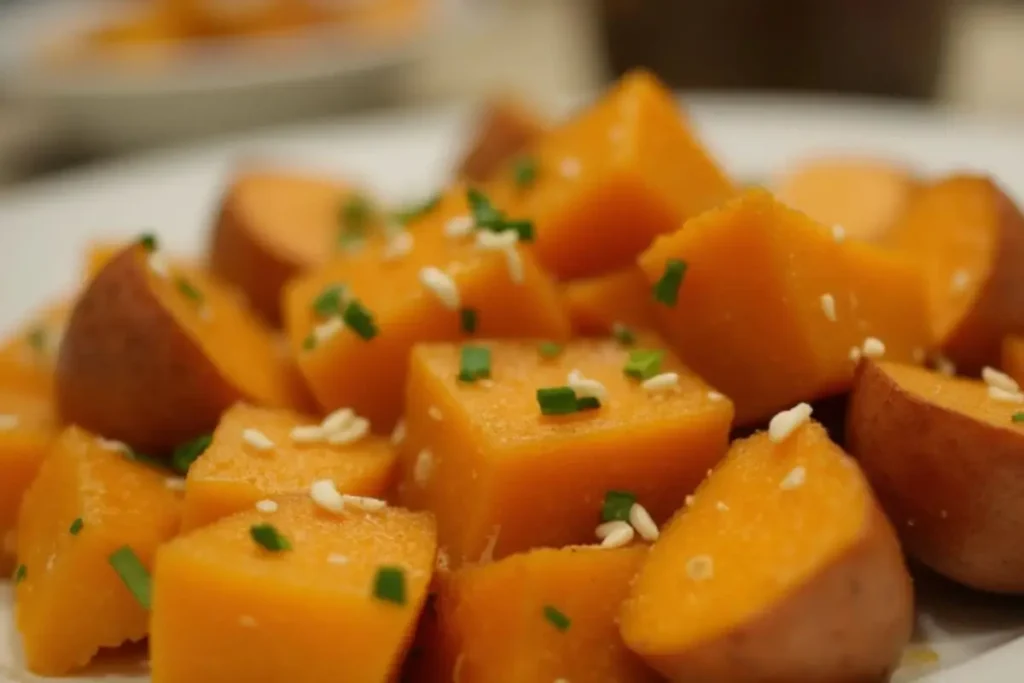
45,226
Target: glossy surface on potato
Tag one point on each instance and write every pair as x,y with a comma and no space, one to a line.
596,305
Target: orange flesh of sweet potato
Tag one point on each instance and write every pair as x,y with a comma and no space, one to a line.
225,609
764,578
230,476
750,316
505,127
368,375
612,178
864,196
491,449
27,358
493,627
596,305
947,461
72,602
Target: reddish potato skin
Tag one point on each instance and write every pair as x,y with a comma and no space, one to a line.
127,371
952,485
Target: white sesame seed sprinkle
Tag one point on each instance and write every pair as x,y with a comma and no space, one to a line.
995,378
247,621
489,240
873,348
788,421
398,433
459,226
828,307
326,496
944,366
257,439
307,434
355,431
618,537
365,503
435,413
442,286
721,507
690,500
327,329
794,479
423,467
570,167
606,528
514,263
700,567
854,354
266,505
661,382
643,523
1000,394
716,396
960,280
585,387
175,483
9,422
338,420
158,264
398,246
337,558
113,445
838,233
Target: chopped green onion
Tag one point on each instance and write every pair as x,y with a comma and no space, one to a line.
474,363
467,318
133,573
557,618
524,171
149,242
623,334
617,505
356,213
666,289
36,338
76,526
189,290
416,211
20,573
487,217
359,318
185,454
269,538
557,400
523,227
142,458
549,349
309,343
643,363
587,403
328,302
1018,416
389,585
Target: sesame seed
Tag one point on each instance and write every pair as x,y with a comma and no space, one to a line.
365,503
1001,380
435,413
423,467
854,353
257,439
722,507
496,241
795,479
620,535
338,420
642,522
838,233
662,382
337,558
325,494
158,264
715,396
585,387
8,422
873,348
1000,394
514,263
398,433
175,483
700,568
828,307
918,355
960,280
689,500
459,226
787,422
327,329
307,434
399,245
247,621
266,505
944,366
355,431
113,445
570,167
442,286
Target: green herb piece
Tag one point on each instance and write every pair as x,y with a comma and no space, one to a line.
415,212
328,302
359,318
309,343
666,289
133,573
587,403
557,400
524,171
467,319
1018,416
549,349
20,573
487,217
474,363
269,538
187,453
617,505
623,334
643,363
189,290
76,526
356,213
149,242
523,227
557,618
389,585
142,458
36,338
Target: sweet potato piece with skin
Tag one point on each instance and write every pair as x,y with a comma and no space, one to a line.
230,476
225,609
346,370
751,316
596,305
72,602
145,362
612,178
492,448
775,573
968,235
947,463
28,357
505,127
864,196
492,627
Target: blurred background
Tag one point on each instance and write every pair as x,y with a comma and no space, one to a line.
85,80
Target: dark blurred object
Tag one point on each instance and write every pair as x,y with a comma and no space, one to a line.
868,47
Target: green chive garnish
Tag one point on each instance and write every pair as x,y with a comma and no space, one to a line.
417,211
474,363
133,573
149,242
643,363
389,585
1018,417
356,213
269,538
309,343
76,526
666,289
142,458
617,505
556,618
523,227
623,334
587,403
189,290
359,319
524,171
549,349
467,319
187,453
20,573
487,217
328,302
556,401
36,338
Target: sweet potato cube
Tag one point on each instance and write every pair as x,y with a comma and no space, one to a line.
598,304
28,357
612,178
88,501
501,477
499,623
508,293
504,128
782,568
232,475
227,609
773,310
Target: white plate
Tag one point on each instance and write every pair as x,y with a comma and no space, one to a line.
45,226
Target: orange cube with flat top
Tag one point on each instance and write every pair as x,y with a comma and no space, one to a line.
88,501
416,287
598,304
338,600
28,357
609,180
232,475
501,477
773,310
